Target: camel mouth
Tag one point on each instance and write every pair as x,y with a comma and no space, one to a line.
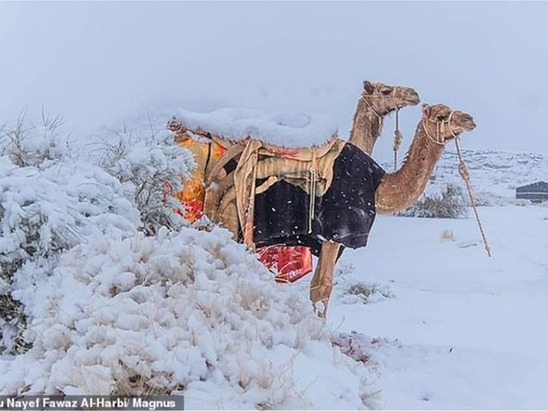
461,128
413,99
470,127
468,124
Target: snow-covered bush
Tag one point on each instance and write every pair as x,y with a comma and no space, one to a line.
189,311
451,203
54,197
49,202
149,165
28,144
366,292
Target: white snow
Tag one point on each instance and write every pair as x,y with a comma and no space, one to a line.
188,311
418,319
282,129
461,330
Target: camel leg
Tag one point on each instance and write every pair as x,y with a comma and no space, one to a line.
322,282
229,219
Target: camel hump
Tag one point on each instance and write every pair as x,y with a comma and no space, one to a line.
284,130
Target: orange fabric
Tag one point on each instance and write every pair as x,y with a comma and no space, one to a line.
193,193
289,263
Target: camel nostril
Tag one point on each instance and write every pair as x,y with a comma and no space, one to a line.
414,98
467,122
470,123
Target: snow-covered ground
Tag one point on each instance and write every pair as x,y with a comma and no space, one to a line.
450,327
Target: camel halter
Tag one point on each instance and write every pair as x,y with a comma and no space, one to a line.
463,169
439,130
380,119
365,98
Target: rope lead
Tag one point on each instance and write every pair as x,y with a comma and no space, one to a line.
398,138
465,174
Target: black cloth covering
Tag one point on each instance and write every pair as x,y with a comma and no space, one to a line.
344,214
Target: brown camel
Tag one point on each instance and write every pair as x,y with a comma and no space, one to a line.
376,101
401,188
394,192
439,124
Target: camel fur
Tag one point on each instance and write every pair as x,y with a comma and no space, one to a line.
376,102
231,203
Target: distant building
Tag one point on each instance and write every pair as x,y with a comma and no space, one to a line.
536,192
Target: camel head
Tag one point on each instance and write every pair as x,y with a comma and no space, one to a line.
442,123
384,98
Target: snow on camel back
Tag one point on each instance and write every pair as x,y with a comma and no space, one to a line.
210,136
290,130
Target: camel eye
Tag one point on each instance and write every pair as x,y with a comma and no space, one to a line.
441,117
386,91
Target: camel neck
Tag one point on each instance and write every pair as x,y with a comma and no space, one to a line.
403,187
366,127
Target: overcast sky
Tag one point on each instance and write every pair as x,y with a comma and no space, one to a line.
95,63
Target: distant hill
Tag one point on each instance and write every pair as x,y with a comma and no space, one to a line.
494,175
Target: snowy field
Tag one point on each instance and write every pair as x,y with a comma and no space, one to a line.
449,327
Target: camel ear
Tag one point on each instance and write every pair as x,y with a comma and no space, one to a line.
368,87
425,109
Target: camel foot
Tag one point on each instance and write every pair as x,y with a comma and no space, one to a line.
320,309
